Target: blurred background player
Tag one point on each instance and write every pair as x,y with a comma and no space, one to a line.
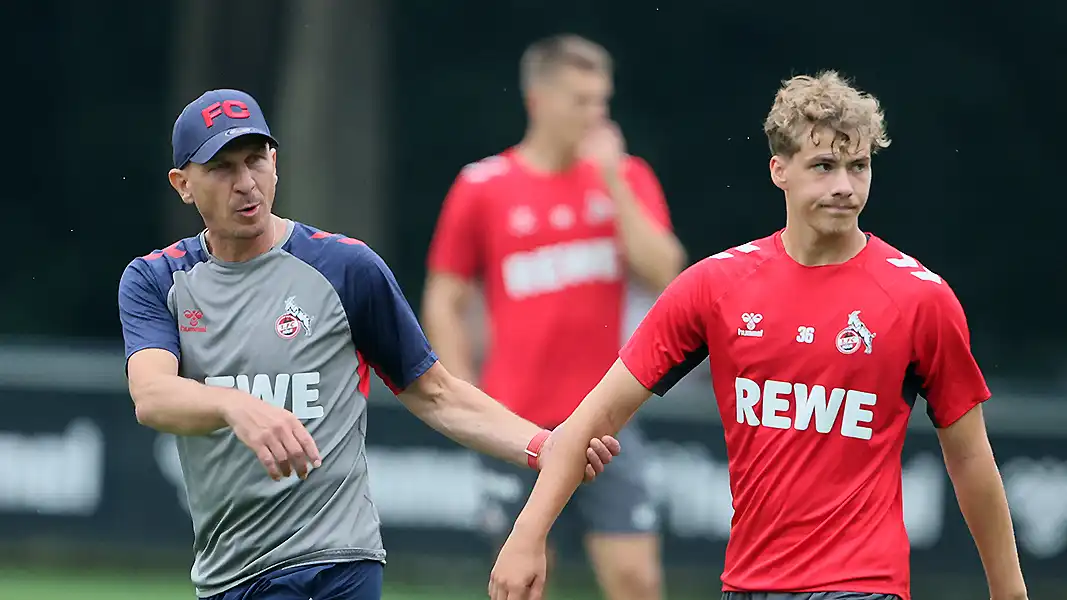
254,341
821,337
553,229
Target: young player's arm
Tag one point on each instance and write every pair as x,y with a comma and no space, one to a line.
954,390
166,402
453,265
393,342
669,343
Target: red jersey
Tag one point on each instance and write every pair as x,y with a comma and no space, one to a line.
546,251
815,371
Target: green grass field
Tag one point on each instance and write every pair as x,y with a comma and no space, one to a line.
69,585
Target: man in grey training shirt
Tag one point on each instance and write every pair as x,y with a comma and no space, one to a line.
253,342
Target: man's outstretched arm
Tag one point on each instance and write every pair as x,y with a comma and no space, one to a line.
468,416
389,337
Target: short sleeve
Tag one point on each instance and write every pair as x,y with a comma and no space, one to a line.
952,383
456,245
645,185
385,330
672,338
146,321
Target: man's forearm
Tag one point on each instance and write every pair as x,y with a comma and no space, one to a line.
468,416
655,255
181,406
982,500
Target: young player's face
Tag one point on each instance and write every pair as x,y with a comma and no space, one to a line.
234,191
826,186
572,102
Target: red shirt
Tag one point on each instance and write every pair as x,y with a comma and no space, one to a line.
545,248
815,371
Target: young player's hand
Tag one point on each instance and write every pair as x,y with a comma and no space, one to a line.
520,570
605,147
598,454
278,439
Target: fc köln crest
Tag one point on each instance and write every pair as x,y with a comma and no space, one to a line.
293,320
854,336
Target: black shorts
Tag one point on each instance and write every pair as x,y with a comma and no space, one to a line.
807,596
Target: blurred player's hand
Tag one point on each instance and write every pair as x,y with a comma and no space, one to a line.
598,454
520,570
605,147
278,439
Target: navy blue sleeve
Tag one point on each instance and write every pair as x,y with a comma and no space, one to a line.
146,322
384,328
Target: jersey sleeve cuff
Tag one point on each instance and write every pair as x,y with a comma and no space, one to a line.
645,380
420,368
957,412
159,346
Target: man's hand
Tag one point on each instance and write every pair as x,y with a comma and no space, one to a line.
278,439
605,147
520,569
598,454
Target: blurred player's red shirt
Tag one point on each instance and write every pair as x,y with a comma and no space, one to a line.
815,370
545,248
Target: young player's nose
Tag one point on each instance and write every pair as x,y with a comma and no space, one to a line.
841,186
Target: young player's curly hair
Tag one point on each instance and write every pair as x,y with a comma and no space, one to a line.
806,105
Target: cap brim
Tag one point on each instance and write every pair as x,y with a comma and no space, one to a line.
218,141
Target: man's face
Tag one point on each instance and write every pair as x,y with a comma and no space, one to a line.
234,191
826,185
570,102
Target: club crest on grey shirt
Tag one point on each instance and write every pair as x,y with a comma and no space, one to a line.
301,327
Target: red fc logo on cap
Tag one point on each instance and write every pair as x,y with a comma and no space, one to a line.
234,109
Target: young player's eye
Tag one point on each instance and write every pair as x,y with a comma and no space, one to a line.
822,167
859,167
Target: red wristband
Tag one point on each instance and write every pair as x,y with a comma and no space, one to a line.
533,449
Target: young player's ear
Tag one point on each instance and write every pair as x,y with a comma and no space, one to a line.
777,168
180,182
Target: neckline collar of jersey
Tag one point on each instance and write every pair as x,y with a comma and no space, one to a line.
859,258
523,165
282,240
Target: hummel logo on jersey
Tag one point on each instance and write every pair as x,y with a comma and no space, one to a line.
751,320
293,320
193,319
854,335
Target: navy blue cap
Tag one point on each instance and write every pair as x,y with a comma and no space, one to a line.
213,120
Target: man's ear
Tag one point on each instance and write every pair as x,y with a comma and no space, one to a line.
778,171
179,180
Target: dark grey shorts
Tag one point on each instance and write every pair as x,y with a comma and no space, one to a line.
807,596
617,501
